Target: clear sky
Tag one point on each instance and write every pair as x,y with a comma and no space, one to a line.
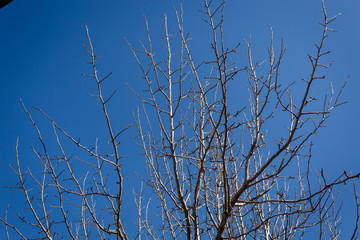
42,59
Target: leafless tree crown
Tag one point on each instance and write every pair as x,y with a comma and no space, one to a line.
215,170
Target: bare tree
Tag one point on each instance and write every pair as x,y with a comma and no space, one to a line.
216,168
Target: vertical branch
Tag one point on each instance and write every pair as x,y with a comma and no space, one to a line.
356,227
119,226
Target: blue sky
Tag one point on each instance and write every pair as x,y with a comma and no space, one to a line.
42,60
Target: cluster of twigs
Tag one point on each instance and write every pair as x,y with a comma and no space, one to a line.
216,172
221,173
